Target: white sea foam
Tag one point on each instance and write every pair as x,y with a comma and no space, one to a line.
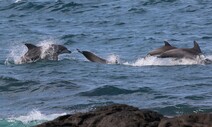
113,59
35,115
16,1
209,57
154,61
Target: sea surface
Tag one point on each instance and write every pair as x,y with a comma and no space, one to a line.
122,30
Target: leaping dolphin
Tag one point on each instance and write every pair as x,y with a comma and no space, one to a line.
190,53
162,49
92,57
36,53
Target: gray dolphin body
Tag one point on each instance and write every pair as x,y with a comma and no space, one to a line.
162,49
190,53
34,53
92,57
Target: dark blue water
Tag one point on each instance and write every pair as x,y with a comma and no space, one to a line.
114,29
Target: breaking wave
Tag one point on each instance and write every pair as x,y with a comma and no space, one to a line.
31,119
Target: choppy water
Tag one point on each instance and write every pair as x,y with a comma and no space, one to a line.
114,29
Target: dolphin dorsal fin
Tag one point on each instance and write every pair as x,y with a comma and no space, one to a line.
30,46
196,47
167,43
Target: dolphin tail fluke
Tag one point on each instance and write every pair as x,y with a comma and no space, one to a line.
196,47
79,51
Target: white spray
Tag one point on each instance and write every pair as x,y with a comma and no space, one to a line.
113,59
154,61
18,50
35,115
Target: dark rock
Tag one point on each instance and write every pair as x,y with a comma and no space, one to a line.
118,115
108,116
192,120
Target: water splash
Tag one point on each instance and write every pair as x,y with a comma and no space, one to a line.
18,50
15,54
113,59
31,119
154,61
35,115
46,44
209,57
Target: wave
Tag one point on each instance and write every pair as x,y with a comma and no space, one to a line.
153,2
181,109
33,118
2,78
112,90
64,7
14,85
23,5
34,5
137,10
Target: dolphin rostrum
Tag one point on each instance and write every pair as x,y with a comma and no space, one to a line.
162,49
190,53
92,57
36,53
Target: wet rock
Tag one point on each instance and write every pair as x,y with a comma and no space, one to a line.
117,115
192,120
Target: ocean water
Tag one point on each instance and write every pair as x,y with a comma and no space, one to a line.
123,30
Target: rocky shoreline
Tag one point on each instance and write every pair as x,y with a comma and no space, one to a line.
120,115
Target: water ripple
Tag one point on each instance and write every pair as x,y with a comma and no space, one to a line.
35,6
112,90
180,109
8,84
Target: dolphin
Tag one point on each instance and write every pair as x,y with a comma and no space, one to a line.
92,57
36,53
207,61
190,53
162,49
